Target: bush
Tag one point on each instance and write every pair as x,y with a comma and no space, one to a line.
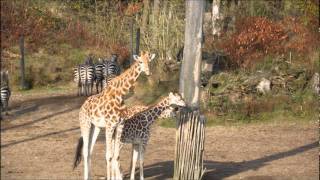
257,37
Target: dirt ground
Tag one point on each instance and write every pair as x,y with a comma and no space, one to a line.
39,136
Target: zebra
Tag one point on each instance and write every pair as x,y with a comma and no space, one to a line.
99,68
87,76
111,69
76,79
4,92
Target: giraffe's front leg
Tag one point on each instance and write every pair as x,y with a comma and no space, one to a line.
109,150
117,148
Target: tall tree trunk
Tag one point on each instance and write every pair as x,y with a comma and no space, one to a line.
215,17
131,40
145,15
229,16
155,15
190,127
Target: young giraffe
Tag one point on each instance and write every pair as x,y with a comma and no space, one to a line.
136,128
103,110
131,111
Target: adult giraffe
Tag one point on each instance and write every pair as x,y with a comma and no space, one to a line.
104,111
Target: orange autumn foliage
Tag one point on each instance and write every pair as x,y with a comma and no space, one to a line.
258,36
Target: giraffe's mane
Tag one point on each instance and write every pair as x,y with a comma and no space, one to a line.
125,73
149,107
110,88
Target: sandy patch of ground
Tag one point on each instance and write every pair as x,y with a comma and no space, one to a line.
39,137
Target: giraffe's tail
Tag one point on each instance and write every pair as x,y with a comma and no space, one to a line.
77,158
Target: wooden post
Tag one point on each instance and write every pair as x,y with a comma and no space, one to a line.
190,132
137,40
0,83
131,40
22,70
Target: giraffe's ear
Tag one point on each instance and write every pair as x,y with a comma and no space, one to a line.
135,57
152,57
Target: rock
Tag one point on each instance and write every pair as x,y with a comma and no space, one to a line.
264,86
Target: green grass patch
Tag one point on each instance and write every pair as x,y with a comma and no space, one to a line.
45,68
167,123
240,120
50,89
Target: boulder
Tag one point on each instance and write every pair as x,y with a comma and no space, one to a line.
264,86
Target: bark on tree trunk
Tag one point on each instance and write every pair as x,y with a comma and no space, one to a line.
191,64
215,17
131,40
155,15
190,127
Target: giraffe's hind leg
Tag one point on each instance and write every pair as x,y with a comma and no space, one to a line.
95,134
117,148
135,155
141,156
87,133
109,150
85,152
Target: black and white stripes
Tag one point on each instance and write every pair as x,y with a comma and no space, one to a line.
87,76
111,70
5,92
76,78
100,73
5,96
99,68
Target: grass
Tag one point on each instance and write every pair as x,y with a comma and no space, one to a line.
167,123
47,67
50,89
296,103
233,120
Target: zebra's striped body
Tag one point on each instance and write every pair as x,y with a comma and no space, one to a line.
101,73
87,76
5,96
111,70
99,76
76,78
4,91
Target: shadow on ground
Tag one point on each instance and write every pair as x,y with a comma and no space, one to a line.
19,108
56,105
39,137
220,170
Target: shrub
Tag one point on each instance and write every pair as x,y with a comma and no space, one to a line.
257,37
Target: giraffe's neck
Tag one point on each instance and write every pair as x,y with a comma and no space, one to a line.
121,84
156,110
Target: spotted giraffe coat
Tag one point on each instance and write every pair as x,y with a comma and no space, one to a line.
138,121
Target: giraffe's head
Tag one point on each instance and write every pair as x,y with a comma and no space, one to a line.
144,61
176,99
